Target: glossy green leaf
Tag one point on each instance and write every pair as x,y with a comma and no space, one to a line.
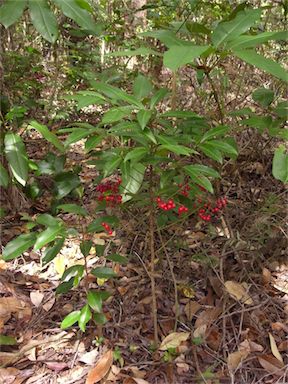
143,117
7,340
177,56
167,37
70,319
103,272
4,177
263,63
85,247
65,287
71,9
16,155
251,41
230,30
43,20
95,300
178,149
49,136
136,154
65,182
47,236
51,252
84,318
11,11
47,220
142,87
76,135
117,258
18,245
280,164
116,114
73,208
263,96
73,271
132,180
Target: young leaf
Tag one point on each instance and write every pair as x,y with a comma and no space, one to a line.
43,20
103,272
16,155
261,62
49,136
85,317
177,56
73,208
51,252
47,236
263,96
142,87
95,301
143,117
11,11
280,164
117,258
18,245
4,178
229,30
70,319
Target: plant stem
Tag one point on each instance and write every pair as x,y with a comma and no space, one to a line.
152,253
216,97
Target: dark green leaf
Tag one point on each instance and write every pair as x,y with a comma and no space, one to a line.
65,183
70,319
85,317
73,271
136,154
93,142
282,109
85,247
11,11
117,258
65,287
111,165
95,301
224,146
132,180
212,152
47,236
51,252
73,208
142,87
100,318
47,220
4,178
103,272
16,155
18,245
263,96
43,20
180,114
49,136
220,130
158,96
248,41
116,114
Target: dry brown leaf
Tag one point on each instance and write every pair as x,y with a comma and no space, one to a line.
8,375
238,292
277,327
271,364
36,298
266,276
49,304
254,347
283,346
274,348
89,358
56,366
200,331
101,369
234,359
173,340
208,316
191,308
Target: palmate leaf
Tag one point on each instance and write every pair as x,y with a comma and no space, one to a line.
16,155
43,20
11,11
261,62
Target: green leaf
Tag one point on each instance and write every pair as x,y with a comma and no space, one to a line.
73,208
49,136
282,109
143,117
230,30
111,165
47,236
93,142
16,155
85,5
95,301
76,270
65,287
202,169
117,258
85,317
280,164
47,220
85,247
136,154
7,340
158,96
18,245
96,226
224,147
43,20
51,252
116,114
167,37
142,51
86,98
4,177
142,87
178,149
212,152
70,319
116,93
132,180
11,11
103,272
71,9
220,130
180,114
65,183
177,56
248,41
100,318
263,96
261,62
194,27
259,122
76,135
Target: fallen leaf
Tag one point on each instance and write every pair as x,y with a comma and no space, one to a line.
56,366
191,308
271,364
238,292
254,347
89,358
8,375
208,316
266,276
277,327
274,348
49,304
59,264
234,359
283,346
101,369
36,298
200,331
173,340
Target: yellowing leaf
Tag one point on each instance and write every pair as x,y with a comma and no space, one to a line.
59,264
173,340
101,368
274,348
238,292
101,281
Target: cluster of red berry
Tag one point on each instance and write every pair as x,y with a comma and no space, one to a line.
109,192
208,211
107,228
184,189
170,204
